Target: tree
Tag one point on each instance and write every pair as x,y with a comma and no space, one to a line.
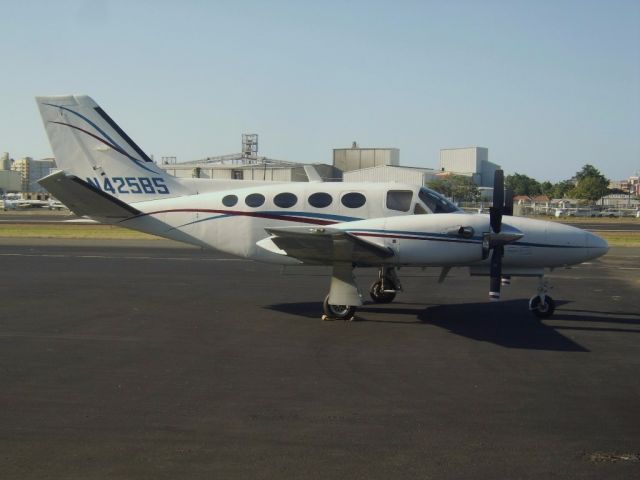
588,171
590,184
522,184
590,188
457,187
561,189
547,188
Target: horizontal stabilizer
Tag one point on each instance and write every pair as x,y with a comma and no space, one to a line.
82,198
325,246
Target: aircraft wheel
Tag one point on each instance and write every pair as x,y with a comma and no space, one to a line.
542,309
380,296
340,312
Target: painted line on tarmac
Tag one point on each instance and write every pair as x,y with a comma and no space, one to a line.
40,336
124,257
597,314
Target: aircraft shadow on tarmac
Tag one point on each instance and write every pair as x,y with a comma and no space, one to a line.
506,323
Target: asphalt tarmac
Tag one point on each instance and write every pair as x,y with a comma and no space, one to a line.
145,359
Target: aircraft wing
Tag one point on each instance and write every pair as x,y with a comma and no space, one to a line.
323,246
82,198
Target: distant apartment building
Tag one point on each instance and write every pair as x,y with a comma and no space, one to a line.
630,186
619,185
33,170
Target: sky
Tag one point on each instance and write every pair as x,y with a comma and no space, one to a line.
547,86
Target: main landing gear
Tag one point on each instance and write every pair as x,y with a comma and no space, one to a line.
385,288
337,312
345,295
542,305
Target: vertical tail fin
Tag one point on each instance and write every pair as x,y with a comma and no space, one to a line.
89,144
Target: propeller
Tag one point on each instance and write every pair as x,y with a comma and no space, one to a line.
499,237
508,202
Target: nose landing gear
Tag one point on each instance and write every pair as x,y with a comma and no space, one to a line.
384,289
542,305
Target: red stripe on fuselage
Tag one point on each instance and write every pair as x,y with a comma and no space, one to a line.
269,216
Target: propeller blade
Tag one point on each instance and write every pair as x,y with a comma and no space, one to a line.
508,203
498,188
495,272
496,240
495,212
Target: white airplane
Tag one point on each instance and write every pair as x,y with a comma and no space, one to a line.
107,177
14,202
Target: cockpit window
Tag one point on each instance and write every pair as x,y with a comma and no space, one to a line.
399,200
436,202
419,210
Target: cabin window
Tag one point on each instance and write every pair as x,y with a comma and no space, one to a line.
353,200
285,200
320,200
254,200
230,200
399,200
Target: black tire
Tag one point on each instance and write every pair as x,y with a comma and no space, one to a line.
378,296
340,312
543,310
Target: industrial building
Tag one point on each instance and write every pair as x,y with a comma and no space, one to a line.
392,173
354,164
239,167
356,158
246,165
469,161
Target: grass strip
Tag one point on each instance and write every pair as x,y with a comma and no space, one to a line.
598,220
76,231
621,239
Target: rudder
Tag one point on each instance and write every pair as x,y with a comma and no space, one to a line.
89,144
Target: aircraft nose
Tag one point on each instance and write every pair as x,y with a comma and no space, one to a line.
596,246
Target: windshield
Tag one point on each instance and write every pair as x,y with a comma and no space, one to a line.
436,202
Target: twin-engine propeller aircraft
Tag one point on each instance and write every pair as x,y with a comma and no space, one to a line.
104,175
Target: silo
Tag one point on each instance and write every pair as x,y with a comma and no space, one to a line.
5,161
